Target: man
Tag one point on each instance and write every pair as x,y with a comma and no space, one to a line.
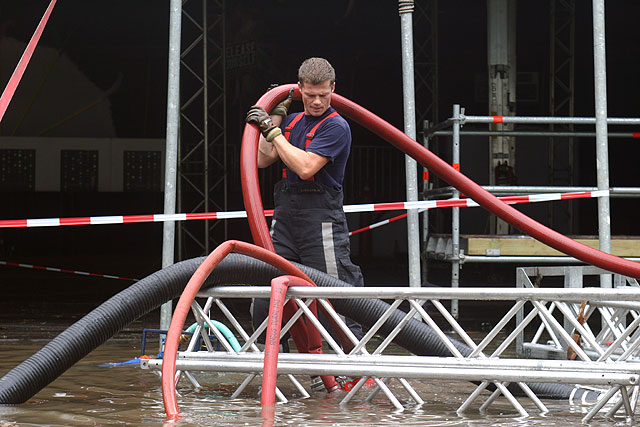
309,224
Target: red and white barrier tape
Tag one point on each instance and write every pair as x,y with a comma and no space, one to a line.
422,205
369,207
62,270
377,224
468,203
508,200
10,89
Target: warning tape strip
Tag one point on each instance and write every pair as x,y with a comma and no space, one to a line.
62,270
10,89
507,199
368,207
462,203
377,224
423,205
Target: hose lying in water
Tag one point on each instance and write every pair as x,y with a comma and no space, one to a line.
32,375
224,330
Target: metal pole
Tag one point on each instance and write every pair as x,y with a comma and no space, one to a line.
507,190
527,259
405,8
455,213
531,120
602,149
621,192
171,151
224,113
205,118
534,133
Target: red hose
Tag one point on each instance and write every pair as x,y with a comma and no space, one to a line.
349,109
279,287
249,169
251,187
188,295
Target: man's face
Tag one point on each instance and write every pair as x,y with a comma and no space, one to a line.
316,98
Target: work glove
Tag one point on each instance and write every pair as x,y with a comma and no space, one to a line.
282,108
257,115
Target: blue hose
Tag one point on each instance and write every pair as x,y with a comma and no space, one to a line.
226,332
223,329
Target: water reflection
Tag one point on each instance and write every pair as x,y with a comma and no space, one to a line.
89,395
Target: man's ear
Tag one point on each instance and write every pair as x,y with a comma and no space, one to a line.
300,86
333,87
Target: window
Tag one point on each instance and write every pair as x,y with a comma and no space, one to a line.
79,170
142,171
17,170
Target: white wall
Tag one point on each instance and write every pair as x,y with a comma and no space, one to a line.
110,157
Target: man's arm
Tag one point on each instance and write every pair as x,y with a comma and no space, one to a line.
267,154
303,163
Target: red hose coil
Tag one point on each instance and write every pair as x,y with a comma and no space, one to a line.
362,116
309,334
188,295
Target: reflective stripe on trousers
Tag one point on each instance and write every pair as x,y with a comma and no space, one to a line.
310,227
331,267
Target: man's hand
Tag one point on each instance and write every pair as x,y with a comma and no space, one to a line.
282,108
257,115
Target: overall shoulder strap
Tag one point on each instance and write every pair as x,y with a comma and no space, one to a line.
292,124
287,132
313,130
309,136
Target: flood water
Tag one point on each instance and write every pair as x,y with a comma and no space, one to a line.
91,395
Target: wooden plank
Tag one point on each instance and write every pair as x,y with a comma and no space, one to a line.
527,246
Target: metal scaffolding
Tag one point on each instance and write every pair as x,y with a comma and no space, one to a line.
202,185
605,362
405,9
202,158
561,103
459,119
502,72
171,151
425,51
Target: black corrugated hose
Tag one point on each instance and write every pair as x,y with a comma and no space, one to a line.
35,373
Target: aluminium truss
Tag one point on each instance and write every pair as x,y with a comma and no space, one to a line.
425,40
561,103
614,380
202,185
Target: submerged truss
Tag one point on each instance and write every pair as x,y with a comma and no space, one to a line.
607,350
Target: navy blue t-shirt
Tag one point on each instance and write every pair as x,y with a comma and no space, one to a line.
332,140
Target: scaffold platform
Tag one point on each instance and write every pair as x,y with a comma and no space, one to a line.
440,246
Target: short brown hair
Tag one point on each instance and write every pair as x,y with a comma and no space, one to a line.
316,71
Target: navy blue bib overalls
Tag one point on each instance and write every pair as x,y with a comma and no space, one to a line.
309,226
